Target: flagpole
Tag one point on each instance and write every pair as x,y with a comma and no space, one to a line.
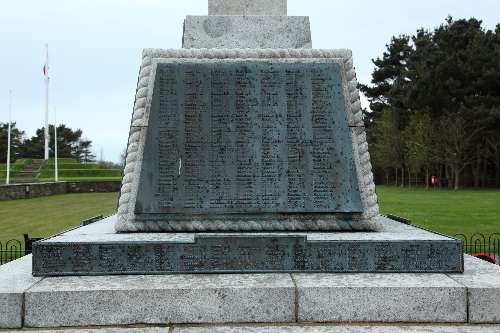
56,172
7,178
46,72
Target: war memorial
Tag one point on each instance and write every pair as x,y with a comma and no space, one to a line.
248,205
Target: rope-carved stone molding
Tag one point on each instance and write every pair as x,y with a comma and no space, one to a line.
126,221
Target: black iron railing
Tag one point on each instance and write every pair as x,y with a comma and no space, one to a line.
486,247
15,249
11,250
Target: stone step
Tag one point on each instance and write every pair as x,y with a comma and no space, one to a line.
281,328
248,298
23,180
29,173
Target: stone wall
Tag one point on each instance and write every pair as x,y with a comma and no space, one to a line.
24,191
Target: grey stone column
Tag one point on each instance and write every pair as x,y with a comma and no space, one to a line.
247,24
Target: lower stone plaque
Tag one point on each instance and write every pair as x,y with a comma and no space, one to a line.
248,253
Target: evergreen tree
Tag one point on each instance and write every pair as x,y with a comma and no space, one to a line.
85,151
454,73
390,77
16,140
387,150
418,143
67,143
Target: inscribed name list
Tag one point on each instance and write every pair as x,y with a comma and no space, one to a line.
248,137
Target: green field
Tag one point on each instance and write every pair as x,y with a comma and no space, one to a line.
72,170
45,216
446,211
449,212
17,165
14,167
69,169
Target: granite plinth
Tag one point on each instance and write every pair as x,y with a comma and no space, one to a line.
15,279
257,32
108,300
98,250
247,7
482,280
279,299
380,298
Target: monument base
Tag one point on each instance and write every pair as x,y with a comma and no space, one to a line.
255,302
98,250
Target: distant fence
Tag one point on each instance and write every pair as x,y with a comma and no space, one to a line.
15,249
11,250
481,246
25,191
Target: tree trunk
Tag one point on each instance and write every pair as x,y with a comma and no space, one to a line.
426,178
496,169
457,179
497,176
396,176
476,168
484,175
402,177
440,175
449,176
386,177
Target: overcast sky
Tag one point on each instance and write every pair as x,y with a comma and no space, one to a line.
95,50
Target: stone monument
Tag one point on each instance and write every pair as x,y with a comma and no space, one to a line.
247,129
251,160
247,153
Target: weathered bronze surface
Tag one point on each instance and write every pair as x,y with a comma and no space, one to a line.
247,254
247,137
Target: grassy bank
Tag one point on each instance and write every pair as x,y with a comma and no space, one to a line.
45,216
449,212
72,170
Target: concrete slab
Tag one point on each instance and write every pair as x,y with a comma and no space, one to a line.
384,298
482,280
15,279
341,329
119,300
257,32
247,7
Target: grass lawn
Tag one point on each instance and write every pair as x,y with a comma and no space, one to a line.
45,216
14,168
70,170
73,170
446,211
79,179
